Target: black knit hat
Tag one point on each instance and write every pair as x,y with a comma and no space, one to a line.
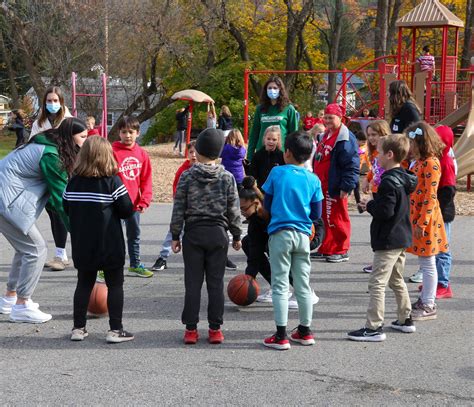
210,143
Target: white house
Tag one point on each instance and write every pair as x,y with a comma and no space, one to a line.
4,109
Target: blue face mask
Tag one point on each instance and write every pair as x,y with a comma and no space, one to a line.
53,107
273,93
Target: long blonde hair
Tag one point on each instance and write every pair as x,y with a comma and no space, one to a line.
96,159
382,128
235,138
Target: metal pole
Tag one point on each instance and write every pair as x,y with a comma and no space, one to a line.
190,123
104,105
73,81
382,90
246,105
413,57
399,52
344,92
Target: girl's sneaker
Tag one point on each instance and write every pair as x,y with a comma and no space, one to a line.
367,335
119,336
407,327
191,336
216,336
29,313
367,269
6,304
277,343
78,334
306,340
140,271
424,312
293,304
266,296
417,277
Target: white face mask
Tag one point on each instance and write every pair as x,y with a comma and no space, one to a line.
273,93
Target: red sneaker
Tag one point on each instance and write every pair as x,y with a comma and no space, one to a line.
216,336
444,292
191,336
420,287
280,344
306,340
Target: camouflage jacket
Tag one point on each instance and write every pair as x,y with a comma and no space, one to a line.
206,195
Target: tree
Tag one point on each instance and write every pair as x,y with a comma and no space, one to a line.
466,49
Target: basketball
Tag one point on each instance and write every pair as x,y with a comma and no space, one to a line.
98,300
243,289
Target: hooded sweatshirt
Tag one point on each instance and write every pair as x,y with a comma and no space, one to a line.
206,196
447,182
391,226
135,173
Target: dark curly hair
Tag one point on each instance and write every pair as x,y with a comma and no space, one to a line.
283,99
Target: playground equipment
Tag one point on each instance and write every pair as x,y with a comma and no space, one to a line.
192,96
442,97
103,95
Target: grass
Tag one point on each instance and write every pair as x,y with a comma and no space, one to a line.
7,143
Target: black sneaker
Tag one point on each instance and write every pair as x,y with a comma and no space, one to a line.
160,264
230,266
119,336
408,326
337,258
367,335
317,256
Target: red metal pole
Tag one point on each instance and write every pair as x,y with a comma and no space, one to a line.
444,53
399,52
73,81
427,117
246,105
104,105
188,128
413,57
344,92
456,44
382,90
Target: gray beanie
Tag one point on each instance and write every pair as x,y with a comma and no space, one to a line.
210,143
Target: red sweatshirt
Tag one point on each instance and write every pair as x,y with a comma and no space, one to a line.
184,166
135,172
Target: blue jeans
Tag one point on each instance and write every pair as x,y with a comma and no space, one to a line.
443,260
166,247
132,226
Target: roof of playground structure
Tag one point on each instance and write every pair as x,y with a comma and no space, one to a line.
429,13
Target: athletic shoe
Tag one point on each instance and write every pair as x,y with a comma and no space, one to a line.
57,264
306,340
230,266
266,296
367,269
140,271
78,334
215,336
407,327
444,292
160,264
276,343
293,304
337,258
49,263
417,277
191,336
30,314
6,304
424,312
367,335
119,336
317,256
100,276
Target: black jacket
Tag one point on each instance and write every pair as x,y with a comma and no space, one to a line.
182,119
262,163
446,202
95,207
224,123
391,226
407,115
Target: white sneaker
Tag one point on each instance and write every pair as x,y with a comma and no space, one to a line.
29,314
265,297
6,304
417,277
78,334
293,304
315,298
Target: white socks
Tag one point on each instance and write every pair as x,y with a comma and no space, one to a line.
61,253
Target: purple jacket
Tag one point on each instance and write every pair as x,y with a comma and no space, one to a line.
232,158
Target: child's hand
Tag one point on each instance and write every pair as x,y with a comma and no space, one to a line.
418,232
236,244
365,186
343,194
362,206
141,209
176,246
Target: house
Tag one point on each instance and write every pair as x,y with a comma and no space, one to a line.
4,109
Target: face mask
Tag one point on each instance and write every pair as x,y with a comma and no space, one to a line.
53,107
273,93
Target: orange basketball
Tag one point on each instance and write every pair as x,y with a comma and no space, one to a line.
243,289
98,299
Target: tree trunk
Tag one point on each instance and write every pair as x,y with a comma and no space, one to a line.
15,103
381,28
391,34
335,37
466,48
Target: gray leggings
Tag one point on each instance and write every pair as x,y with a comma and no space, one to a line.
29,258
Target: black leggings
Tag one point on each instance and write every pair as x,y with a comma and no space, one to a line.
58,229
85,284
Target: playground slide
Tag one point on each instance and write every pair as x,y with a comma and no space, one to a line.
464,148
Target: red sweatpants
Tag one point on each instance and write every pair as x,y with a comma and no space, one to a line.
337,224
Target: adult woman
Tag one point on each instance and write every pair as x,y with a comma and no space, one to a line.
225,120
17,116
31,176
336,163
274,110
53,112
403,108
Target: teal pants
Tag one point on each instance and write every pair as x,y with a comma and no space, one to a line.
289,251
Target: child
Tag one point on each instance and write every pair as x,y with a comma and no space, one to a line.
269,156
233,155
364,162
211,122
315,131
181,126
91,130
426,61
446,193
95,200
293,198
135,172
206,198
160,263
309,121
429,235
17,125
390,235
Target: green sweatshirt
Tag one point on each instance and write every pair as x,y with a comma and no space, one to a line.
286,119
56,177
